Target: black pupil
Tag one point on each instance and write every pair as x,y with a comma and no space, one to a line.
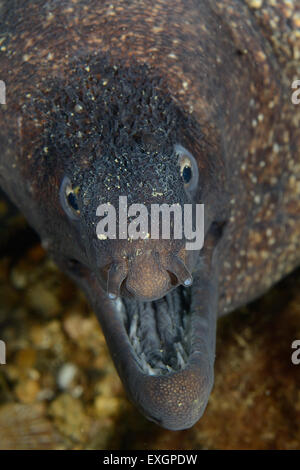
72,201
187,174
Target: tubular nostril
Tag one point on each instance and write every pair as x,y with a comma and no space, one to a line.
180,271
173,278
116,275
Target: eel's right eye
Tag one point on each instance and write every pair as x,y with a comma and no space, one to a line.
68,198
188,168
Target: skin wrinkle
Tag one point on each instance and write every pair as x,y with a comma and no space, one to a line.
102,92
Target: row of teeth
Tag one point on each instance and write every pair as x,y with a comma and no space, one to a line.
161,367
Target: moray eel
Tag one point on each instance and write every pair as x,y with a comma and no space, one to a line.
182,102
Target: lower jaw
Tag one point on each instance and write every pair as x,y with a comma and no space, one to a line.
167,372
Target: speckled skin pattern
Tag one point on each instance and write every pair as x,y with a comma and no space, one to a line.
222,70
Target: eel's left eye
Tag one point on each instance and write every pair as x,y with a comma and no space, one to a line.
186,174
68,198
188,168
72,200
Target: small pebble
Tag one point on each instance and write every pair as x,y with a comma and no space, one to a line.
66,375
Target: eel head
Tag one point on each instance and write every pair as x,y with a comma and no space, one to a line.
100,145
156,302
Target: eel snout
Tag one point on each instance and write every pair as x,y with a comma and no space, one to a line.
147,276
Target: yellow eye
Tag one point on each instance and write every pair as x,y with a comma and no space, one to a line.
69,199
72,199
188,168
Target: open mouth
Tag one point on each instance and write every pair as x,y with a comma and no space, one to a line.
159,331
163,349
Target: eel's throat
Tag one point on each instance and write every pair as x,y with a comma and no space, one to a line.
159,331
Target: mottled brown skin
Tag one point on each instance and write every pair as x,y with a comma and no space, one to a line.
226,70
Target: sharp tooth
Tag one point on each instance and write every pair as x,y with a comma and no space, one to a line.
182,350
180,354
157,331
133,327
119,305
